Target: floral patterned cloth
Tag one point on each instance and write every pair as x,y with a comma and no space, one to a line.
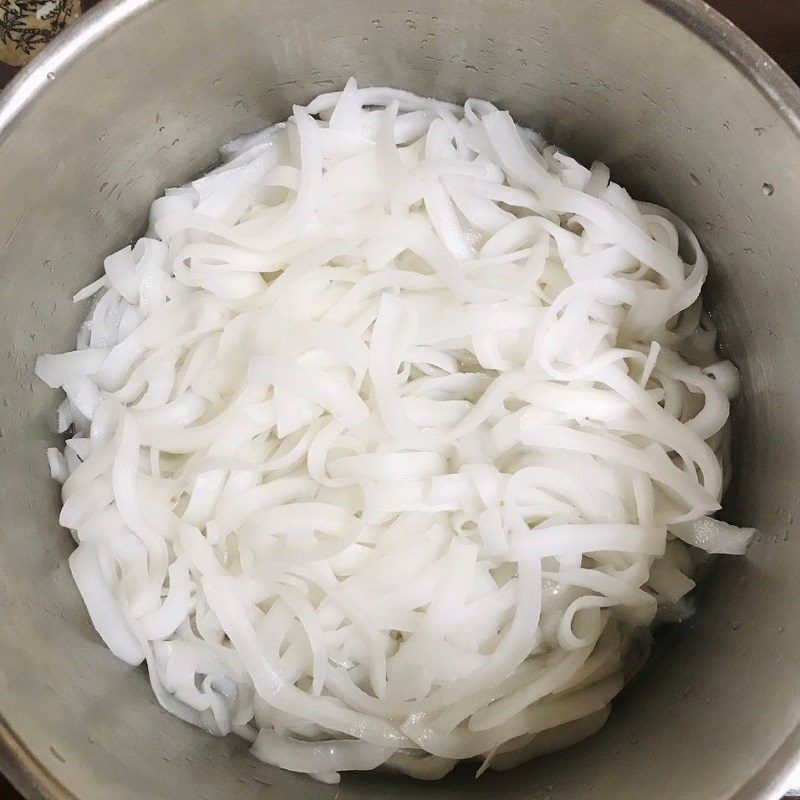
26,26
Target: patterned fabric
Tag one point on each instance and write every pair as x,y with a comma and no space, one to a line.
26,26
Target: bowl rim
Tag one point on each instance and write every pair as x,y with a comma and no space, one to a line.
20,766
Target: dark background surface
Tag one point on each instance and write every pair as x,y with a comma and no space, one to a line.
774,24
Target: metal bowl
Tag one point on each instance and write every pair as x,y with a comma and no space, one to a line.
137,97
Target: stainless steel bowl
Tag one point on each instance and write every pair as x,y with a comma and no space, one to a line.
137,97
